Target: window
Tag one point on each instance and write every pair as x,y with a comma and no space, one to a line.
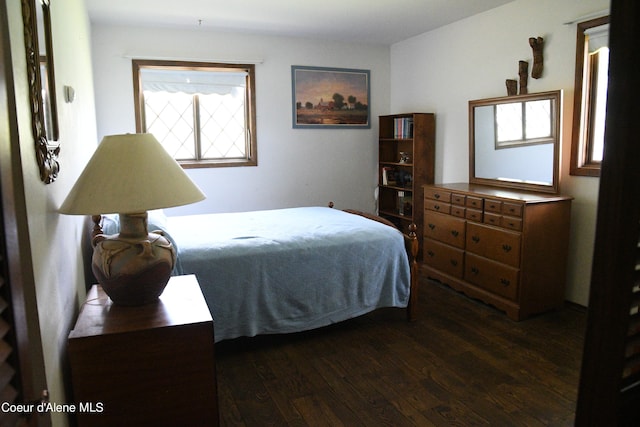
524,123
202,113
590,92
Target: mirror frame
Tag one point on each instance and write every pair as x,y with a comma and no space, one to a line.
556,97
47,150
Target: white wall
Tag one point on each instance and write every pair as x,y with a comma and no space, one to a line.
296,167
442,70
55,239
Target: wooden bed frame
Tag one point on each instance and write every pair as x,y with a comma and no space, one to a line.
411,246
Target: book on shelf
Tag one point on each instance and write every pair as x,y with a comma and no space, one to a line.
388,176
403,127
405,203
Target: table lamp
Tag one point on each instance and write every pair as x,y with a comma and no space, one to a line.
129,175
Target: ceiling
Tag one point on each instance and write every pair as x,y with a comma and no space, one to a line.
360,21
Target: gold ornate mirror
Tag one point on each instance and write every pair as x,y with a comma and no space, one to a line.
40,72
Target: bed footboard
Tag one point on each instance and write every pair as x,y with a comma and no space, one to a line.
412,245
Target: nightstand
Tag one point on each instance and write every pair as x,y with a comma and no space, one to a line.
147,365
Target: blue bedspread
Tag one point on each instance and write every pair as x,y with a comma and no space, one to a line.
289,270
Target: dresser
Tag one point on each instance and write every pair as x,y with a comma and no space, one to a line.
146,365
507,248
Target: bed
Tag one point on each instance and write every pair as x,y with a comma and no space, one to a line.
290,270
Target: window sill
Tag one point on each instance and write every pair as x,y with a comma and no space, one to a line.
585,170
196,164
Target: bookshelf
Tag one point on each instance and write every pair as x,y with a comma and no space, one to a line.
406,161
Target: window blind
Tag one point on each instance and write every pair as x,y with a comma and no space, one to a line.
193,82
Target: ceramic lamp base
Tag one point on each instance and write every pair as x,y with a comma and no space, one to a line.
134,266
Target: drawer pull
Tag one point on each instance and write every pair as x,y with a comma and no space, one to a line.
475,270
454,233
436,196
505,282
454,262
506,248
476,239
430,253
436,207
432,226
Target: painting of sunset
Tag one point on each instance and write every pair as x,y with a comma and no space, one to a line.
330,97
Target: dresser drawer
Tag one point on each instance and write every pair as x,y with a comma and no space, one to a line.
444,228
458,199
498,244
443,257
494,206
437,194
491,218
512,209
437,206
474,202
473,215
511,223
494,277
459,211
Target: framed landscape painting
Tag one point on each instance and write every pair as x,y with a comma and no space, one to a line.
330,97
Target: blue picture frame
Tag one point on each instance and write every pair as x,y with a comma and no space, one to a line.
330,98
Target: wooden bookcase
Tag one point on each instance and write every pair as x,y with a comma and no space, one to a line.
400,198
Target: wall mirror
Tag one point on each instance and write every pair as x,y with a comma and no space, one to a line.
514,141
38,43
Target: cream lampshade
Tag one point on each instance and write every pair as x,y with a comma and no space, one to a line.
129,175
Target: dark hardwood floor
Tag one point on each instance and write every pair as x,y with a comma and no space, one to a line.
461,364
